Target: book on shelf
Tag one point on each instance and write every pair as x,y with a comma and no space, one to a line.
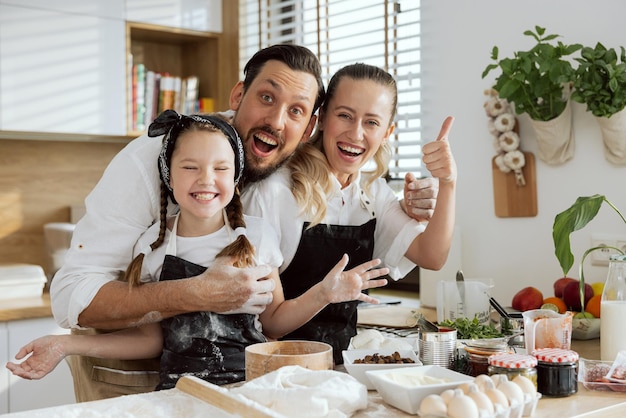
140,107
206,105
152,92
166,93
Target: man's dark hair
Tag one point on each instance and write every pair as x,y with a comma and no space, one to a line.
296,57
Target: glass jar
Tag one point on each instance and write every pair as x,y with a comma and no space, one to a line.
478,355
613,309
513,365
557,371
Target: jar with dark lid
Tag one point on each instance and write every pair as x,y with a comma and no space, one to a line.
557,371
513,365
478,355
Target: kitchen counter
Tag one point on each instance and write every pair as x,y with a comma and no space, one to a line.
25,308
585,403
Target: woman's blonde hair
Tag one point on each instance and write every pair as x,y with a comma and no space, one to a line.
240,248
310,171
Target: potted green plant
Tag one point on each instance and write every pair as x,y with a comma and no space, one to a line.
600,83
576,217
536,82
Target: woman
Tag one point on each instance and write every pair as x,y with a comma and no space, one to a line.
343,209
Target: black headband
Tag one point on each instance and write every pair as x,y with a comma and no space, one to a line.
170,123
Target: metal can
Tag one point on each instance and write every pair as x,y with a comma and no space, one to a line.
513,365
557,371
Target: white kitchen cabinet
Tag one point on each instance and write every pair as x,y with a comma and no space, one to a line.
200,15
61,72
17,394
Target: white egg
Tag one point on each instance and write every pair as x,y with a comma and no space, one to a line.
433,405
447,395
467,386
484,382
527,386
512,392
481,400
462,406
497,397
497,378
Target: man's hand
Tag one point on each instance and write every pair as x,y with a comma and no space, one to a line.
230,289
420,197
344,286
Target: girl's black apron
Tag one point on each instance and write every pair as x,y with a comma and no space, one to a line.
207,345
320,248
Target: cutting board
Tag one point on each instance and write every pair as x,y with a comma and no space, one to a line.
393,316
511,200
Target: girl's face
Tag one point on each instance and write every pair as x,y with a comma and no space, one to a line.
355,124
202,178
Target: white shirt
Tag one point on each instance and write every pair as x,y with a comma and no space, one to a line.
203,249
103,241
273,200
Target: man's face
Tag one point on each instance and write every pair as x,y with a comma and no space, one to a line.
273,116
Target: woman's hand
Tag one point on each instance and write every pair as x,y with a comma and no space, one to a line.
45,353
343,286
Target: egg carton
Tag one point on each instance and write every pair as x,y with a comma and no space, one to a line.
516,409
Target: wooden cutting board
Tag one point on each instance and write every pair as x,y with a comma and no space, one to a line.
511,200
393,316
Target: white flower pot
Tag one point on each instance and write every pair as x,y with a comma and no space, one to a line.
614,136
555,138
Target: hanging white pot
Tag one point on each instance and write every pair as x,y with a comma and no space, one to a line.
614,136
555,138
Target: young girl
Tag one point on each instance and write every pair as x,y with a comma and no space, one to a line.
344,210
200,163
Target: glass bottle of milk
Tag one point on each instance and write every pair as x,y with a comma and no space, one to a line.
613,310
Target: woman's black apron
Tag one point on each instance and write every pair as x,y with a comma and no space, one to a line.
207,345
320,248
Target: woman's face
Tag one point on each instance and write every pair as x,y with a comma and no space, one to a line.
202,175
355,124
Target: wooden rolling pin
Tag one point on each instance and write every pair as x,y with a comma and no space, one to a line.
223,399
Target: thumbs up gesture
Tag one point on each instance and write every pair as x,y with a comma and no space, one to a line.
437,156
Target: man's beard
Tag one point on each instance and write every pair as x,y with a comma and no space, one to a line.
255,174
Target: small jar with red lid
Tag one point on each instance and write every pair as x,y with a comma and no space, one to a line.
557,371
513,365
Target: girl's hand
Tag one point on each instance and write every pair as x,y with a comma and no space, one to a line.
343,286
45,353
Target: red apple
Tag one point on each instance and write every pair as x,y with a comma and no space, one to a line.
571,295
528,298
560,284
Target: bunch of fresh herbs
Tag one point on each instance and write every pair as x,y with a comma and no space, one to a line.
471,329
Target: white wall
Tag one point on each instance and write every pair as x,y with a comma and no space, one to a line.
458,36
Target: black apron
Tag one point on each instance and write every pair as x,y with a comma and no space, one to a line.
320,248
207,345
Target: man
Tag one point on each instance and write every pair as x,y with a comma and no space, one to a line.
274,111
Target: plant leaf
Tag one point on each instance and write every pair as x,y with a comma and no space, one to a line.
572,219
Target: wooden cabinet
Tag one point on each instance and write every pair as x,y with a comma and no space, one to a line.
181,50
178,52
17,394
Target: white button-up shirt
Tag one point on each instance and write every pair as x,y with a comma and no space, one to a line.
273,200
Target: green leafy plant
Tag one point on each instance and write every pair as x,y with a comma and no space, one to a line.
584,209
534,80
600,80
